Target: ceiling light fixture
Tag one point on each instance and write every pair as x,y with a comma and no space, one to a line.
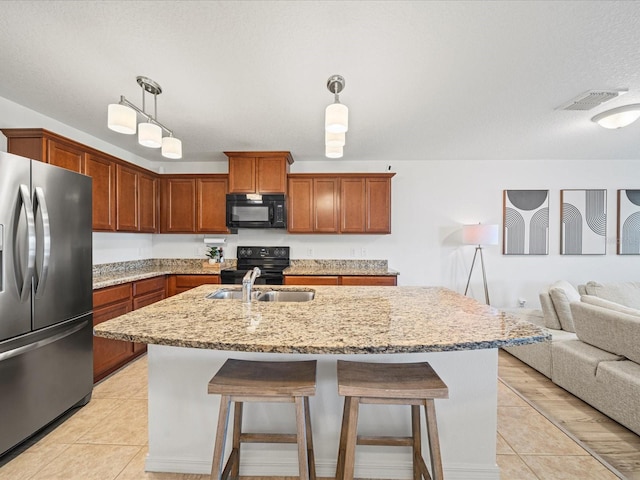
123,116
336,119
618,117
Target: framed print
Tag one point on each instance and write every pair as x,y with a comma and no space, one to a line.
583,221
526,222
629,222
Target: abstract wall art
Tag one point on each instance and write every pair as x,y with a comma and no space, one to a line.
629,222
526,222
583,219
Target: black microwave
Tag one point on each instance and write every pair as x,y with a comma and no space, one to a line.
256,211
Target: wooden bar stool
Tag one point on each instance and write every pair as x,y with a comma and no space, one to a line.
242,381
412,384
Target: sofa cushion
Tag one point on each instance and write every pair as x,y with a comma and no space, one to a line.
625,293
601,302
612,331
563,293
549,313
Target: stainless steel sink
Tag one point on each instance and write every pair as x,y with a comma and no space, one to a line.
226,294
286,296
264,295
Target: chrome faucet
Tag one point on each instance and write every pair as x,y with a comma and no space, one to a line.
247,284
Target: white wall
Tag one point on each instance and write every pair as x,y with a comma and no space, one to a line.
431,201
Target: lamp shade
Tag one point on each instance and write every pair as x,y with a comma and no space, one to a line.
334,139
480,234
336,118
171,147
333,152
618,117
121,119
149,135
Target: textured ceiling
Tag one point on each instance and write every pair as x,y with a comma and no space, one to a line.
424,79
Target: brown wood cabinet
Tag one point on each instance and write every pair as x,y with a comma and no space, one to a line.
362,280
339,203
181,283
193,204
125,196
102,171
258,172
111,302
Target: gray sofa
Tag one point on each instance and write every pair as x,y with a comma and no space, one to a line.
595,347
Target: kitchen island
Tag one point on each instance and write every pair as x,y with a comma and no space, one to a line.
190,336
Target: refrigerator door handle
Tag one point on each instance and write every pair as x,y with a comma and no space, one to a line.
40,202
24,290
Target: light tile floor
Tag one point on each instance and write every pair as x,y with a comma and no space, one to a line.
106,440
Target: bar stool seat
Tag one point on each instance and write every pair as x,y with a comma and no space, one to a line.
241,381
412,384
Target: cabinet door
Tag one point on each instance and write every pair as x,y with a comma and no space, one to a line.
178,205
326,205
126,199
271,175
147,203
103,174
65,156
352,205
211,204
300,205
370,280
378,191
242,175
182,283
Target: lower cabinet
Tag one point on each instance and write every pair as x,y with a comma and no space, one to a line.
111,302
181,283
363,280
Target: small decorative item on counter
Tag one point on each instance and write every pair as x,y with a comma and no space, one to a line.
215,258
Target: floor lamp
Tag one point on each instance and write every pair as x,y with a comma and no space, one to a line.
479,235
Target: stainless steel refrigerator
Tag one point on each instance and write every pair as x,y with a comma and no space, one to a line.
46,358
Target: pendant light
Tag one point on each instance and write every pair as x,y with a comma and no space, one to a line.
336,119
122,118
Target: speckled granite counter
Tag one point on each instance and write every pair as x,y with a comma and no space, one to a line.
107,275
340,267
339,320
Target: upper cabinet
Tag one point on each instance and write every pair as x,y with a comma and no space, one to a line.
258,172
136,204
340,203
102,170
193,204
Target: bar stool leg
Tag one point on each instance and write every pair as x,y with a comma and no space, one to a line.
417,441
237,431
303,464
221,435
310,455
351,438
434,444
343,439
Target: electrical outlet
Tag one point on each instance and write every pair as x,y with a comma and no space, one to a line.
352,252
363,252
521,302
309,252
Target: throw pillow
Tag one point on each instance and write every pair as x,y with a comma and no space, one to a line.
549,313
624,293
563,293
601,302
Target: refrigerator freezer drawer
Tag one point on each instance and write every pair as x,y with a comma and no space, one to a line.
42,380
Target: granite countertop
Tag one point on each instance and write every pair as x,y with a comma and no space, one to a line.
340,267
339,320
110,274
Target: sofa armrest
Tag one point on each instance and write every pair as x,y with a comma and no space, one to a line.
607,329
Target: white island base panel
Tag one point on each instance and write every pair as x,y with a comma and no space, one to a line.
182,416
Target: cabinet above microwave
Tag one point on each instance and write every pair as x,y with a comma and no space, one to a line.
258,172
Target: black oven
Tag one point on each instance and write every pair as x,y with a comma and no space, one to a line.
256,211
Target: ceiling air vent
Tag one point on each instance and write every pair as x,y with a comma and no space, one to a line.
591,99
